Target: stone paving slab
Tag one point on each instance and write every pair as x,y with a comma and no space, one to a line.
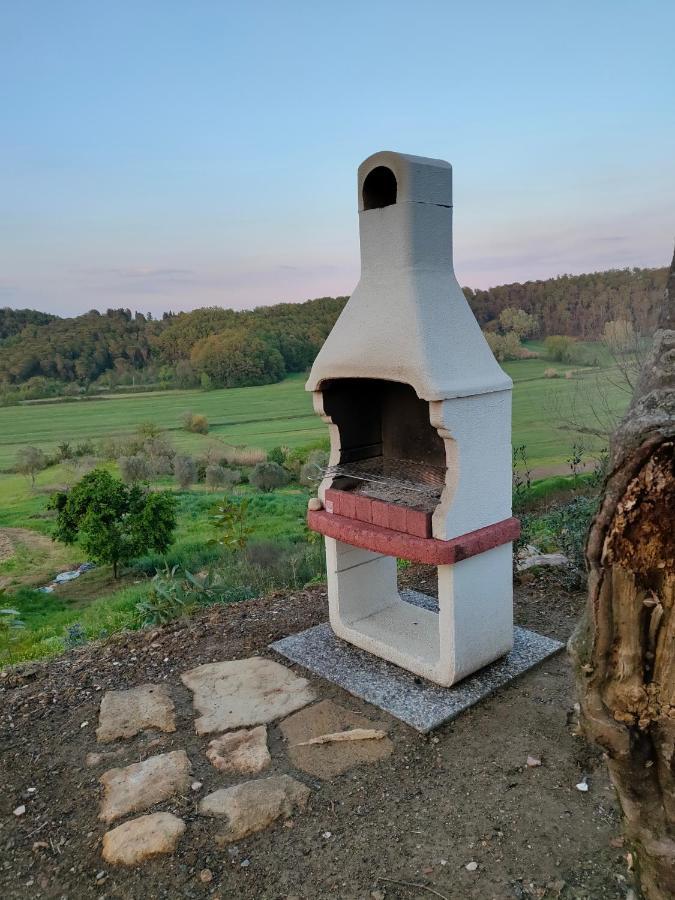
142,838
253,805
244,692
415,701
140,785
326,760
242,752
124,713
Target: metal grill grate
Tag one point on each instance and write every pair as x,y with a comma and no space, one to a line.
401,481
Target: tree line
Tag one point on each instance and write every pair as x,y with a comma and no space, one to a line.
43,355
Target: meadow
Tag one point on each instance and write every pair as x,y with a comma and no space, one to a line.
281,414
258,417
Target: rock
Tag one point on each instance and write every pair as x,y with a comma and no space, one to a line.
142,838
20,810
313,748
582,786
253,805
95,759
196,786
314,504
243,692
206,876
471,866
558,560
124,713
242,752
143,784
533,762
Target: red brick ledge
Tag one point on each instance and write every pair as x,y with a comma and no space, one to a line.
408,546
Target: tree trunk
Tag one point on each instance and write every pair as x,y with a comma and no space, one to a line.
624,646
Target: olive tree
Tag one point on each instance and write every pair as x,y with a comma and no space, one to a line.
623,647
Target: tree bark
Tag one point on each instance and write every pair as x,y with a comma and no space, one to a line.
624,646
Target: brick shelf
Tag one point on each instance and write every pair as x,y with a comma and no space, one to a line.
392,542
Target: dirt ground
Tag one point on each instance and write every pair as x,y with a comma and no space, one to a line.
437,803
45,554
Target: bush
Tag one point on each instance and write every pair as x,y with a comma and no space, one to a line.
215,477
161,465
185,471
311,471
267,476
195,424
276,455
559,347
134,468
244,456
30,461
551,373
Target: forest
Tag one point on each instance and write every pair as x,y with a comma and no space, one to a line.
43,355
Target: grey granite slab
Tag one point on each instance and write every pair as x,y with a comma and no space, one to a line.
415,701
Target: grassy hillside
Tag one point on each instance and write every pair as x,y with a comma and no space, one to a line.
281,414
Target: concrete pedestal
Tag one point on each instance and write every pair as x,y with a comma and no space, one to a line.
419,703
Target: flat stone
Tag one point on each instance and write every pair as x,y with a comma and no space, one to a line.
142,838
124,713
329,759
415,701
241,752
254,805
243,692
143,784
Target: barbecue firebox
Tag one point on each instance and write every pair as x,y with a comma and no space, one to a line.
419,415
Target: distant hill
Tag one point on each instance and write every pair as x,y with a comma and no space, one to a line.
13,321
43,355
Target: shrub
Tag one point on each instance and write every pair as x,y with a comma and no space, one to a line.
85,448
551,373
214,477
185,471
113,523
196,424
276,455
161,465
134,468
244,456
506,346
311,471
64,451
619,335
30,461
268,476
559,347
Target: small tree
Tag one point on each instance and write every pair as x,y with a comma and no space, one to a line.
276,455
231,520
517,321
30,461
619,335
195,423
558,347
214,477
185,471
134,468
267,476
112,522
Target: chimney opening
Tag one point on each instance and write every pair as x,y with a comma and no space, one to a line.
379,188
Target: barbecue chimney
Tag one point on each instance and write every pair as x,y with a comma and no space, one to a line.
419,416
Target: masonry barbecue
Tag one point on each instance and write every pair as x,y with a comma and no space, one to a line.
419,416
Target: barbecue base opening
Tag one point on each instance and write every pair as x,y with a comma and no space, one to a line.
366,610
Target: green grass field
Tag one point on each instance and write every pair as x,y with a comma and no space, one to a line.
281,414
260,417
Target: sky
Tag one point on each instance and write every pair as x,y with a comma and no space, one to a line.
163,154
